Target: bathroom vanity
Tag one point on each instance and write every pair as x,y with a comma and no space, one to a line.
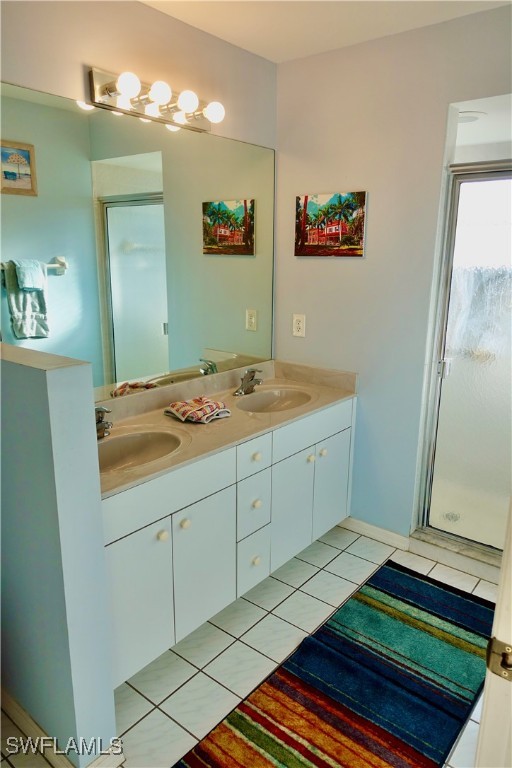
188,533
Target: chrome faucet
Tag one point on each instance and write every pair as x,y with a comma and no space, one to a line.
248,382
102,426
208,367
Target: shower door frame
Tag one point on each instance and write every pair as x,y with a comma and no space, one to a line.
457,174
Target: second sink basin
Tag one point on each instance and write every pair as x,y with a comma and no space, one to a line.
127,451
272,400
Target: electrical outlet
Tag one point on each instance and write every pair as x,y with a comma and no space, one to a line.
299,325
251,320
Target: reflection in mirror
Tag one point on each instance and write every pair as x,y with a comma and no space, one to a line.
117,197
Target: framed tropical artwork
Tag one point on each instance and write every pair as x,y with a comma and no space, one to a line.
18,168
228,227
330,225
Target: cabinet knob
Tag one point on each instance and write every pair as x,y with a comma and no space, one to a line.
311,458
257,456
323,451
162,535
185,523
256,560
257,504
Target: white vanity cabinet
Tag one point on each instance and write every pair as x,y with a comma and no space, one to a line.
139,567
204,549
309,486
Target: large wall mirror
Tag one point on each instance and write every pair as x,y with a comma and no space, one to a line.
122,202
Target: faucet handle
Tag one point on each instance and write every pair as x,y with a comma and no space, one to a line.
100,412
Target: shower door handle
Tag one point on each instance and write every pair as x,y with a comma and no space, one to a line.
444,367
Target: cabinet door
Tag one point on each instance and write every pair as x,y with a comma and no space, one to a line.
292,506
204,549
331,482
140,574
253,560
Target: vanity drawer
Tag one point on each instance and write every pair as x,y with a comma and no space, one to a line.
253,456
311,429
253,496
253,560
136,507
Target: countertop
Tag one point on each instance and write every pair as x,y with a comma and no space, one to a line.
201,440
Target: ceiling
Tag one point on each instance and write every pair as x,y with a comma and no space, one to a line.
282,30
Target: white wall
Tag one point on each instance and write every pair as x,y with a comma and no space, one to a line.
49,46
375,119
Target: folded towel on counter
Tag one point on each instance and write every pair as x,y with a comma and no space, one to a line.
132,386
199,409
27,307
31,274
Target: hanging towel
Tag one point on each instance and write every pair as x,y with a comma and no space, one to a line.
27,307
200,409
31,275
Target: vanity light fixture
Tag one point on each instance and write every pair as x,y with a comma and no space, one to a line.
126,94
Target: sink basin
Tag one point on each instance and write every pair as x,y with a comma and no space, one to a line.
118,452
273,400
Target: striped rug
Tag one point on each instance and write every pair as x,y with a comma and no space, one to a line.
388,680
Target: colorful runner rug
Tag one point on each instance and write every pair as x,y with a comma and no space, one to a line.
389,680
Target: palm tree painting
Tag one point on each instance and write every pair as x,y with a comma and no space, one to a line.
228,227
330,225
18,168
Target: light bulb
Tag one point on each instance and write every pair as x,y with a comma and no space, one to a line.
180,117
173,128
128,84
152,110
214,112
85,106
123,102
160,92
188,101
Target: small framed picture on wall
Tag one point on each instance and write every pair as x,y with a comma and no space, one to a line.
18,168
330,225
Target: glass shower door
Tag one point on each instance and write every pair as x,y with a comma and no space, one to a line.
471,483
138,287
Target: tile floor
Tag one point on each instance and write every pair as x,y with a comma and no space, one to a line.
168,706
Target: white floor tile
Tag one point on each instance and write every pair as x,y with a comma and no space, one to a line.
8,729
487,590
200,704
370,549
238,617
330,588
274,637
163,676
412,561
295,572
304,611
454,578
464,753
318,554
240,668
477,710
338,537
27,761
268,593
202,645
130,707
351,568
155,742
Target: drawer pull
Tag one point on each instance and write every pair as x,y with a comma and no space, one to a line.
257,504
256,560
323,451
162,535
185,523
257,456
311,458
